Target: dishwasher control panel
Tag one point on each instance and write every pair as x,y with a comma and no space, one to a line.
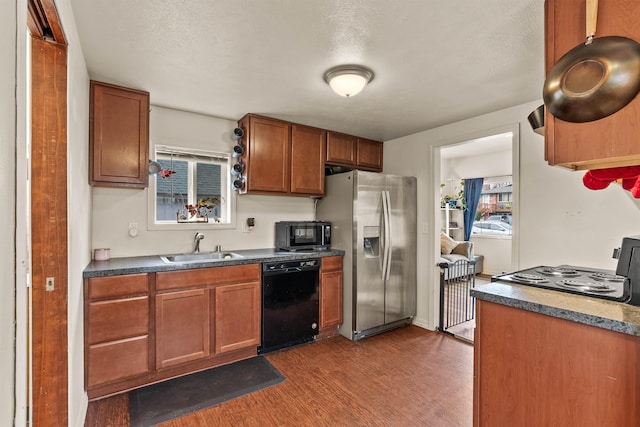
285,265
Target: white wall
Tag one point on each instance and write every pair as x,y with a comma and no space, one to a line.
7,215
78,209
115,208
560,221
496,251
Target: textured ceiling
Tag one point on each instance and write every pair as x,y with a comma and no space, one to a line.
435,61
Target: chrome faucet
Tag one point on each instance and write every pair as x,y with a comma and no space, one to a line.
196,240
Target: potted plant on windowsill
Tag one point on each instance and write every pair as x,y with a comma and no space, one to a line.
198,212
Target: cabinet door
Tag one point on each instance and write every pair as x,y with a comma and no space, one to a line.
369,155
341,149
237,317
613,140
330,299
530,357
307,160
182,327
118,136
269,155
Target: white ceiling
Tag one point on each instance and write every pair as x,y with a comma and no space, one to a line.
488,145
435,61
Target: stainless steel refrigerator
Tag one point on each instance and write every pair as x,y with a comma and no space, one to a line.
373,218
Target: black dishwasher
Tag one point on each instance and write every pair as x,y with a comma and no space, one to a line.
290,303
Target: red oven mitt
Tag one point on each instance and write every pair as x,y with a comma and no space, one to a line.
629,176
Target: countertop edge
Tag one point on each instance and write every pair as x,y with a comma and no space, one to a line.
154,264
614,316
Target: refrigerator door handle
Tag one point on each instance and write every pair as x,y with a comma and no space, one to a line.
386,220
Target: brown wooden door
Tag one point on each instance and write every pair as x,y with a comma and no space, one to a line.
341,149
237,316
307,160
369,155
182,327
269,155
118,136
613,140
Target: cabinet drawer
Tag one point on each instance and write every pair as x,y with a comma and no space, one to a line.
116,319
207,276
118,360
116,286
332,263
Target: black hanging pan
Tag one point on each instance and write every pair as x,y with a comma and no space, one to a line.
595,79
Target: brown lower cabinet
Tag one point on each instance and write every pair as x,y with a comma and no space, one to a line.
330,296
144,328
532,369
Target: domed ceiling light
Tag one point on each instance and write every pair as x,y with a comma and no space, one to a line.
348,80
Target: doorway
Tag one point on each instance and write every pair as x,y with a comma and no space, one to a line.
493,156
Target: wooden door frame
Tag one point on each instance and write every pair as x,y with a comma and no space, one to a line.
49,242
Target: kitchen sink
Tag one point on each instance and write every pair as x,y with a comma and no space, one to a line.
199,257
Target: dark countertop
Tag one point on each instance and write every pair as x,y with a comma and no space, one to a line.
153,263
614,316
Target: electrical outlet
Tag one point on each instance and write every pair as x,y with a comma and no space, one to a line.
133,229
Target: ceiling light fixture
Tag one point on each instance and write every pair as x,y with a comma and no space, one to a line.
348,80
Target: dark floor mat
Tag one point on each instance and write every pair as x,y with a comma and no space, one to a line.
171,399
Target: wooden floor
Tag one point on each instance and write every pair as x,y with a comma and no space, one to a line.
406,377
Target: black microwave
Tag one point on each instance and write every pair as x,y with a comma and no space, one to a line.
303,235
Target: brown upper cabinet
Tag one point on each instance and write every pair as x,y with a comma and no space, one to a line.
267,154
282,157
118,136
369,155
307,160
353,152
289,159
613,140
341,149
